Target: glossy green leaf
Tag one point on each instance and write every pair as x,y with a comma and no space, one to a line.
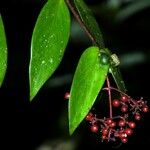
49,41
89,21
3,52
92,26
87,83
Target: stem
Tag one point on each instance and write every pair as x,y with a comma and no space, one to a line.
112,88
78,18
118,117
109,95
100,120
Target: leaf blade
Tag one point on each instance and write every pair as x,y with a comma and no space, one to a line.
88,81
49,40
3,52
114,70
89,22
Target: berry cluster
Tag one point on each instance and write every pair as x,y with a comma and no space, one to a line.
118,127
128,104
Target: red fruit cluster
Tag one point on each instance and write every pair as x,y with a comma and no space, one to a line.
112,128
128,104
118,127
121,126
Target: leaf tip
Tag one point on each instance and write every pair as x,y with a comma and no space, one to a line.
31,98
71,130
33,88
72,126
32,94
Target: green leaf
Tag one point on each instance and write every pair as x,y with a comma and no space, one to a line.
118,78
94,30
88,80
3,52
49,41
90,22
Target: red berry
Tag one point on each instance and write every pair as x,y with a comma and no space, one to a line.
94,128
145,109
116,103
104,131
103,137
124,108
109,121
124,98
124,140
113,124
89,117
128,131
122,123
122,135
132,124
137,117
67,95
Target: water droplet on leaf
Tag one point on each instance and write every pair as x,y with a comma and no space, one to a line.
43,62
51,60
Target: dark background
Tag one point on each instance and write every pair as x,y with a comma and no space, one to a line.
26,125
